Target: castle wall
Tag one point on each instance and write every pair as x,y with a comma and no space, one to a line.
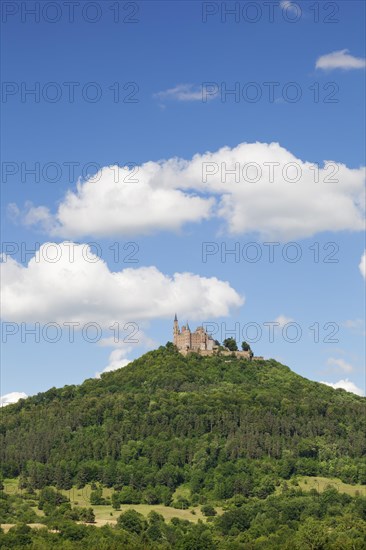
200,342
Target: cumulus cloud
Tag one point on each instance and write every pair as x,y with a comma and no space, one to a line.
340,59
117,360
282,320
184,92
362,265
79,287
340,364
117,202
12,397
345,385
252,188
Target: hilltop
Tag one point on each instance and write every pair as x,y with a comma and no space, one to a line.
214,434
180,419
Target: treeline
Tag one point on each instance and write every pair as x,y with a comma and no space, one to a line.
289,520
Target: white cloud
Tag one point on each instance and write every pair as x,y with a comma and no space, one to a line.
340,364
118,357
340,59
184,92
261,197
117,202
144,340
362,265
12,397
283,320
290,6
13,212
117,360
346,385
79,287
353,323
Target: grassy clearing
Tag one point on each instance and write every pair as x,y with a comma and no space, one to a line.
81,497
7,526
320,483
182,491
11,486
103,513
107,514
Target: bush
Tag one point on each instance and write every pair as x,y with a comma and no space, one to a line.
96,497
180,504
208,510
87,515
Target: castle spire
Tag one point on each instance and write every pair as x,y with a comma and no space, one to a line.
175,330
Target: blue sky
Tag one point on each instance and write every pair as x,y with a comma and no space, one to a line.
171,67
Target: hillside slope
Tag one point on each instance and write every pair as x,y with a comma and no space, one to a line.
220,426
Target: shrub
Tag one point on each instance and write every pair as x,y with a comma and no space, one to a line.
208,510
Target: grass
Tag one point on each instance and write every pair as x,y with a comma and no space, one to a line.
11,486
7,526
81,497
182,491
320,483
103,513
107,514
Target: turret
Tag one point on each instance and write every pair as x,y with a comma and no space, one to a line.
175,329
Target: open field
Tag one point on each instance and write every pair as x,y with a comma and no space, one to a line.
320,483
11,486
107,514
103,513
7,526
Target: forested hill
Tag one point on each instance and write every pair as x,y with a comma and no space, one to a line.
220,425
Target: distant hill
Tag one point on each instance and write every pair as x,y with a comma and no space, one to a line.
219,426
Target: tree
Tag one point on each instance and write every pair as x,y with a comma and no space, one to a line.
231,344
23,481
151,495
198,538
87,515
48,496
96,497
156,524
208,510
181,503
19,536
132,521
116,503
237,519
245,346
311,535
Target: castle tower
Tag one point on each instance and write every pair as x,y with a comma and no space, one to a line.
187,337
175,330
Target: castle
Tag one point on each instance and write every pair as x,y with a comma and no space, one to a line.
200,342
187,341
